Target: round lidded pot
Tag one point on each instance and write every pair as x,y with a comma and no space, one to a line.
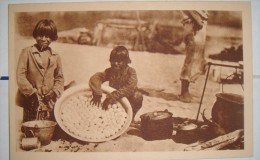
157,125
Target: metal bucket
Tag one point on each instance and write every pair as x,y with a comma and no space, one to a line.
156,125
228,111
42,129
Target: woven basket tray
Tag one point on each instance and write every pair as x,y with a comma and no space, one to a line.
90,123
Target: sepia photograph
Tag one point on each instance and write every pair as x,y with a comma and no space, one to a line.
147,79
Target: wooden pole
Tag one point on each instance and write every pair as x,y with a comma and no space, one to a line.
139,29
201,99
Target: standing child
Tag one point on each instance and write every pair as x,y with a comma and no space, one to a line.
39,74
194,37
121,77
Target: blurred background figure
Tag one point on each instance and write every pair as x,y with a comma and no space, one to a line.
194,37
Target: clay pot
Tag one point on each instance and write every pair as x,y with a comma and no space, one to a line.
228,111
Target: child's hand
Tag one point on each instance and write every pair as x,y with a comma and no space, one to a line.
34,100
51,95
106,103
109,100
96,100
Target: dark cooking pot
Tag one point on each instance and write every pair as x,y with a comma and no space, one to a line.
187,132
157,125
228,111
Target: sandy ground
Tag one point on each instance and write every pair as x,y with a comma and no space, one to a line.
158,75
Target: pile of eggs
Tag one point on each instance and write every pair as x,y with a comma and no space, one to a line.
91,122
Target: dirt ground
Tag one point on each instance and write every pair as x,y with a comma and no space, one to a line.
158,76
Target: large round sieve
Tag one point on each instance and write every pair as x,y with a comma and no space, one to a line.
124,103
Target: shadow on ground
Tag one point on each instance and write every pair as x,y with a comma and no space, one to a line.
159,93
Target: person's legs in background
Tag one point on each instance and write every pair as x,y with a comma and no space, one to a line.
194,63
187,66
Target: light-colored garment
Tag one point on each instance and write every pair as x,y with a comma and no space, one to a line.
35,75
194,39
32,76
